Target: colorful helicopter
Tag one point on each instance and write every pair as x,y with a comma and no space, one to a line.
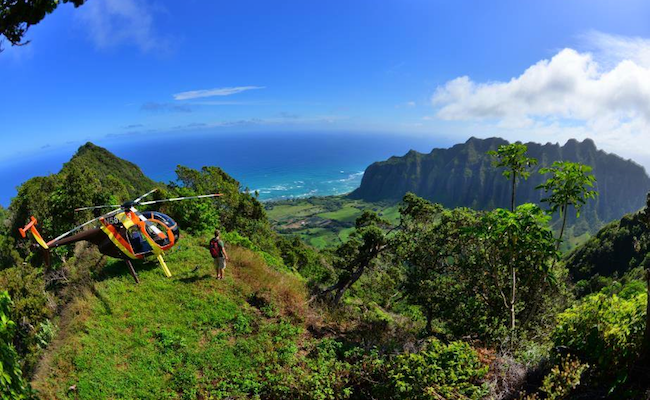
123,233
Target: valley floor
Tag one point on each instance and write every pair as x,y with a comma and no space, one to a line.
324,222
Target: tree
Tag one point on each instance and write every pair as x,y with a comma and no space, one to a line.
235,210
479,273
516,253
358,254
568,186
427,244
513,158
16,16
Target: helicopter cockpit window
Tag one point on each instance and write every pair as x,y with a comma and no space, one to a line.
156,234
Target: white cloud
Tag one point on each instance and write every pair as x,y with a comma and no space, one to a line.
227,91
611,49
603,94
116,22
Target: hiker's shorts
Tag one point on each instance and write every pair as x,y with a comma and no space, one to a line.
220,262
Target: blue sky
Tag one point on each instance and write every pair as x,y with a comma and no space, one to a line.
524,70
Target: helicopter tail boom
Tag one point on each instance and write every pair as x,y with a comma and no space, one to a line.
31,228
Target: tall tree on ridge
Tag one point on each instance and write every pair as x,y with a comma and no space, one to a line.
513,158
568,186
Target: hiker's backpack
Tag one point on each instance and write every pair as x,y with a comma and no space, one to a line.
215,249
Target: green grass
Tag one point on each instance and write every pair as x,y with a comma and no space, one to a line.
324,221
345,214
345,234
182,337
391,214
284,211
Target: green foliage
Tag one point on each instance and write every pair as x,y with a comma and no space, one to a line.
26,286
475,272
33,200
17,16
439,371
563,378
234,238
78,187
8,255
332,371
352,258
233,211
124,179
12,385
615,249
513,158
304,259
196,216
606,330
568,186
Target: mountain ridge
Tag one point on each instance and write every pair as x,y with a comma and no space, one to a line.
463,176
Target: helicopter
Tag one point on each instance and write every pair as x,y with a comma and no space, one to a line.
124,233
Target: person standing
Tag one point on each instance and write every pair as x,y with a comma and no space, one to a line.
218,252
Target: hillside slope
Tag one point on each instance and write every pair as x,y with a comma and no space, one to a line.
161,338
614,250
463,175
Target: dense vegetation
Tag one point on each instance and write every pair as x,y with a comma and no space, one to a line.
414,301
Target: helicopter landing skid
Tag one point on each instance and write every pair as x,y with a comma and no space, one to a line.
132,271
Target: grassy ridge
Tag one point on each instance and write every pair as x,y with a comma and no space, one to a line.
177,338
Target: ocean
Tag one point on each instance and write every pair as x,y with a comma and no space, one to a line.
279,165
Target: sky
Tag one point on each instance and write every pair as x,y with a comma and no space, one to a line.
542,71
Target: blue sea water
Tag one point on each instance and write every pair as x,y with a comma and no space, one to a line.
278,165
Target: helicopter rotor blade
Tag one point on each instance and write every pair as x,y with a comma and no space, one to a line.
181,198
96,207
82,225
144,195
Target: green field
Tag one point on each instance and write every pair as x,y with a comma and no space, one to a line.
324,222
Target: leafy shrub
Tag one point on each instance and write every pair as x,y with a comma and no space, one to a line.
26,287
12,385
449,371
304,259
562,379
196,216
605,330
